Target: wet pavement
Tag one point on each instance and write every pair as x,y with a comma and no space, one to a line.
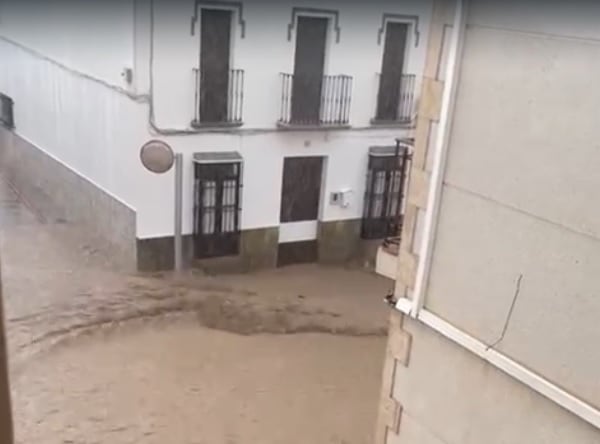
100,356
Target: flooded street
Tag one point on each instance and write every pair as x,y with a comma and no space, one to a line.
291,355
186,384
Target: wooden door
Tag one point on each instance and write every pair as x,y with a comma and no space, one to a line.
309,62
392,66
215,34
300,196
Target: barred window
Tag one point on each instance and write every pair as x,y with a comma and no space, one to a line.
217,204
384,193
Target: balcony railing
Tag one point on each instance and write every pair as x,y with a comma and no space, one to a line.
396,103
220,104
322,103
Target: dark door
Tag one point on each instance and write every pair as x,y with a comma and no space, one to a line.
214,64
300,195
301,188
392,66
217,209
311,34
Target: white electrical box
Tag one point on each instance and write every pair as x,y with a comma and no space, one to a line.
342,198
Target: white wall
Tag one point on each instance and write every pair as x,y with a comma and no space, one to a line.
94,130
265,52
97,131
519,192
346,152
95,37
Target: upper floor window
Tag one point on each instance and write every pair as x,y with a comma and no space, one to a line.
219,88
396,89
309,97
6,111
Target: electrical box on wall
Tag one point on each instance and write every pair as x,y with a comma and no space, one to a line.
341,198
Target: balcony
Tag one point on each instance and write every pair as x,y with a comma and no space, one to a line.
310,104
396,103
218,102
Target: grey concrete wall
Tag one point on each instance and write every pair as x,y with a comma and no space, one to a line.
519,193
450,396
59,194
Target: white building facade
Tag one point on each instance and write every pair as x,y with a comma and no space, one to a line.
287,101
494,330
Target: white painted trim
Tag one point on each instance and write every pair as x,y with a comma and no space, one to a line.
297,231
439,159
512,368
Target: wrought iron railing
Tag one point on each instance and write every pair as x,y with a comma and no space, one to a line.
325,103
230,101
400,105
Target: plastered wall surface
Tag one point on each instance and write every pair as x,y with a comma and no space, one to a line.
460,399
519,192
97,131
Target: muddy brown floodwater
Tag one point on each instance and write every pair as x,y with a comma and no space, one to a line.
185,384
97,356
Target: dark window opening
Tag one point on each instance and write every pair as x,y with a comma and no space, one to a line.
309,97
217,188
309,65
384,195
396,89
6,111
219,89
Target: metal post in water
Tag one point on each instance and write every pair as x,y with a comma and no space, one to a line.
178,206
6,427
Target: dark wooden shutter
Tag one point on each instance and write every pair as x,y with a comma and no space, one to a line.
301,188
311,34
214,64
392,67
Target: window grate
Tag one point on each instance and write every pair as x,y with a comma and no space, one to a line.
384,194
217,188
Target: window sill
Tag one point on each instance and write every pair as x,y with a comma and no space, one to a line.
211,125
312,126
393,123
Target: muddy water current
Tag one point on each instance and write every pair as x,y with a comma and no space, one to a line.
102,356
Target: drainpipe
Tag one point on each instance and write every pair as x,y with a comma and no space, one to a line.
439,159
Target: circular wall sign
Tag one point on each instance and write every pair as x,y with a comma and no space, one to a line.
157,156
